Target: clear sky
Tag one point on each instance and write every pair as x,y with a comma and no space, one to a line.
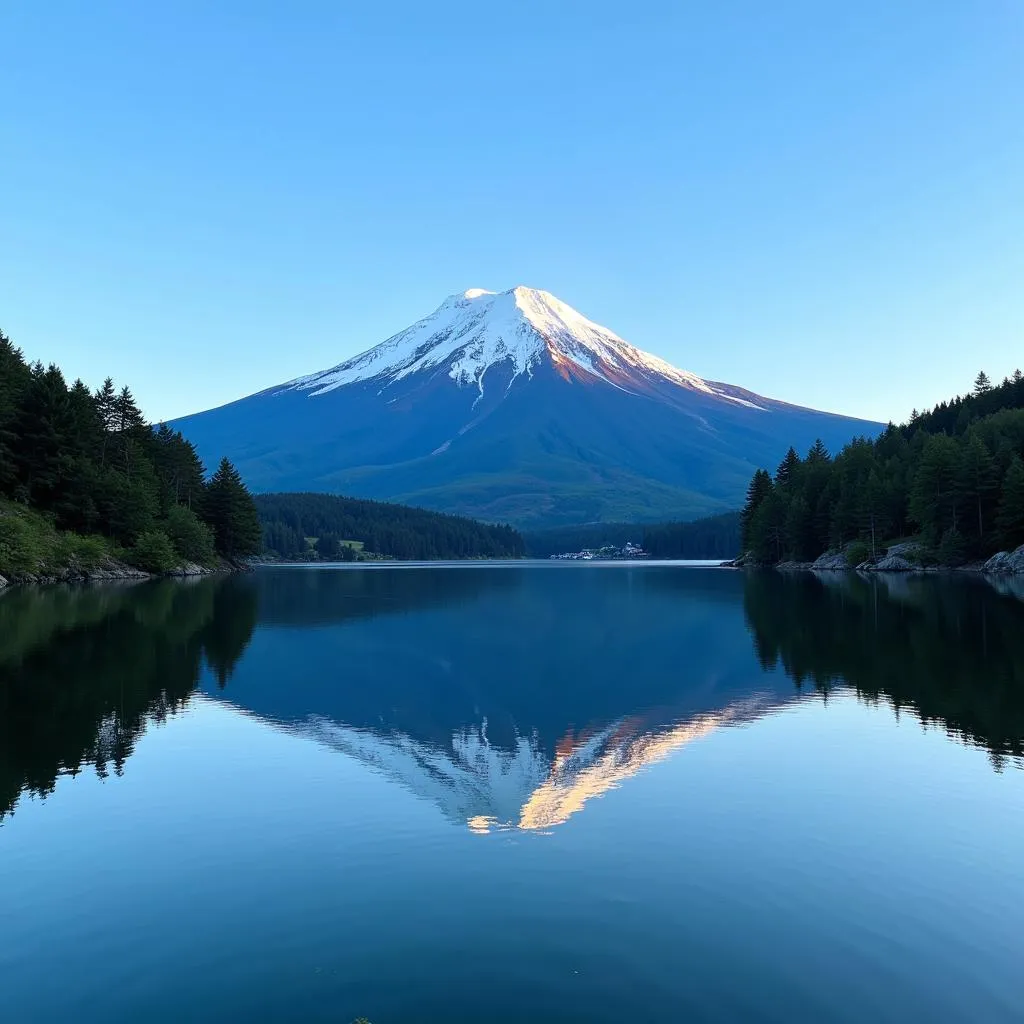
822,202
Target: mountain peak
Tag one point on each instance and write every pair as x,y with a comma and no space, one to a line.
476,330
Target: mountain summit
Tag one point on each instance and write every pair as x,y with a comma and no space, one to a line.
474,331
513,406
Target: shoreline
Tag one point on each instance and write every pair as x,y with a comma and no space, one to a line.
113,572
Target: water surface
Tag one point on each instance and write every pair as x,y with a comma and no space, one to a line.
553,793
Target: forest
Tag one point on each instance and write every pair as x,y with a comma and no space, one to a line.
711,537
325,527
84,480
951,479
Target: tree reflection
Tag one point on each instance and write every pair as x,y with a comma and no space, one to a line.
949,651
83,669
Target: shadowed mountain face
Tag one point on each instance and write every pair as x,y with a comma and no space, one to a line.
513,407
507,696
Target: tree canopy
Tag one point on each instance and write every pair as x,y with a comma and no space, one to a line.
953,478
91,462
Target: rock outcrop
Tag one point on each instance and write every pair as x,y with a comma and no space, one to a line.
1006,561
894,563
831,560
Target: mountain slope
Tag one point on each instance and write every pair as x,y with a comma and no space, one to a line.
512,406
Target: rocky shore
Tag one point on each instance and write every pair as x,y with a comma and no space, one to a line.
113,570
907,557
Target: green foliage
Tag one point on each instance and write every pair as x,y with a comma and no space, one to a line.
1010,517
857,553
30,545
153,552
397,531
92,465
229,509
952,549
24,541
192,539
760,487
954,476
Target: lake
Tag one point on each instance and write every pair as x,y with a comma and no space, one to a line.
565,792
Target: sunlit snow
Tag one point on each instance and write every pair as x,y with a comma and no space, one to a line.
472,331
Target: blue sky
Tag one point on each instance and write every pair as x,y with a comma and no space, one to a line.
821,202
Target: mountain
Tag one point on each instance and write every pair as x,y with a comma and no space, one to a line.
514,407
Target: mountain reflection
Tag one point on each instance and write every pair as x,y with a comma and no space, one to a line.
510,697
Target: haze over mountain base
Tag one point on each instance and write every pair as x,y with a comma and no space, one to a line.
513,407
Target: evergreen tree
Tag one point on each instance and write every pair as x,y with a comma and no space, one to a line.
230,512
977,479
1010,518
818,452
982,384
768,527
787,468
933,494
14,378
760,487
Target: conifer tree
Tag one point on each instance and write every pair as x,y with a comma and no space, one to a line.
818,452
1010,517
982,384
230,512
977,479
760,487
787,468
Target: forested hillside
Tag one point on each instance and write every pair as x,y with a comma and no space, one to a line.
711,537
84,478
952,478
323,526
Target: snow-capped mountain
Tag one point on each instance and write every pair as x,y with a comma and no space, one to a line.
513,406
477,330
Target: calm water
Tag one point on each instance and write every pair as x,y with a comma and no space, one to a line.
594,793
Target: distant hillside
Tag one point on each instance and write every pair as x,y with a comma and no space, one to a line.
328,527
712,537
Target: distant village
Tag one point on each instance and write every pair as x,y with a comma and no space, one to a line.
608,553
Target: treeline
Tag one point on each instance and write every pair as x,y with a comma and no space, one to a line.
953,478
92,465
712,537
323,526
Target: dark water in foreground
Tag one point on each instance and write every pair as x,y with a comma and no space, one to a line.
593,793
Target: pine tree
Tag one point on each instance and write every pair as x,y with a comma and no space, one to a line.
982,384
977,481
1010,517
14,378
818,452
45,428
933,493
760,487
105,399
787,468
230,512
